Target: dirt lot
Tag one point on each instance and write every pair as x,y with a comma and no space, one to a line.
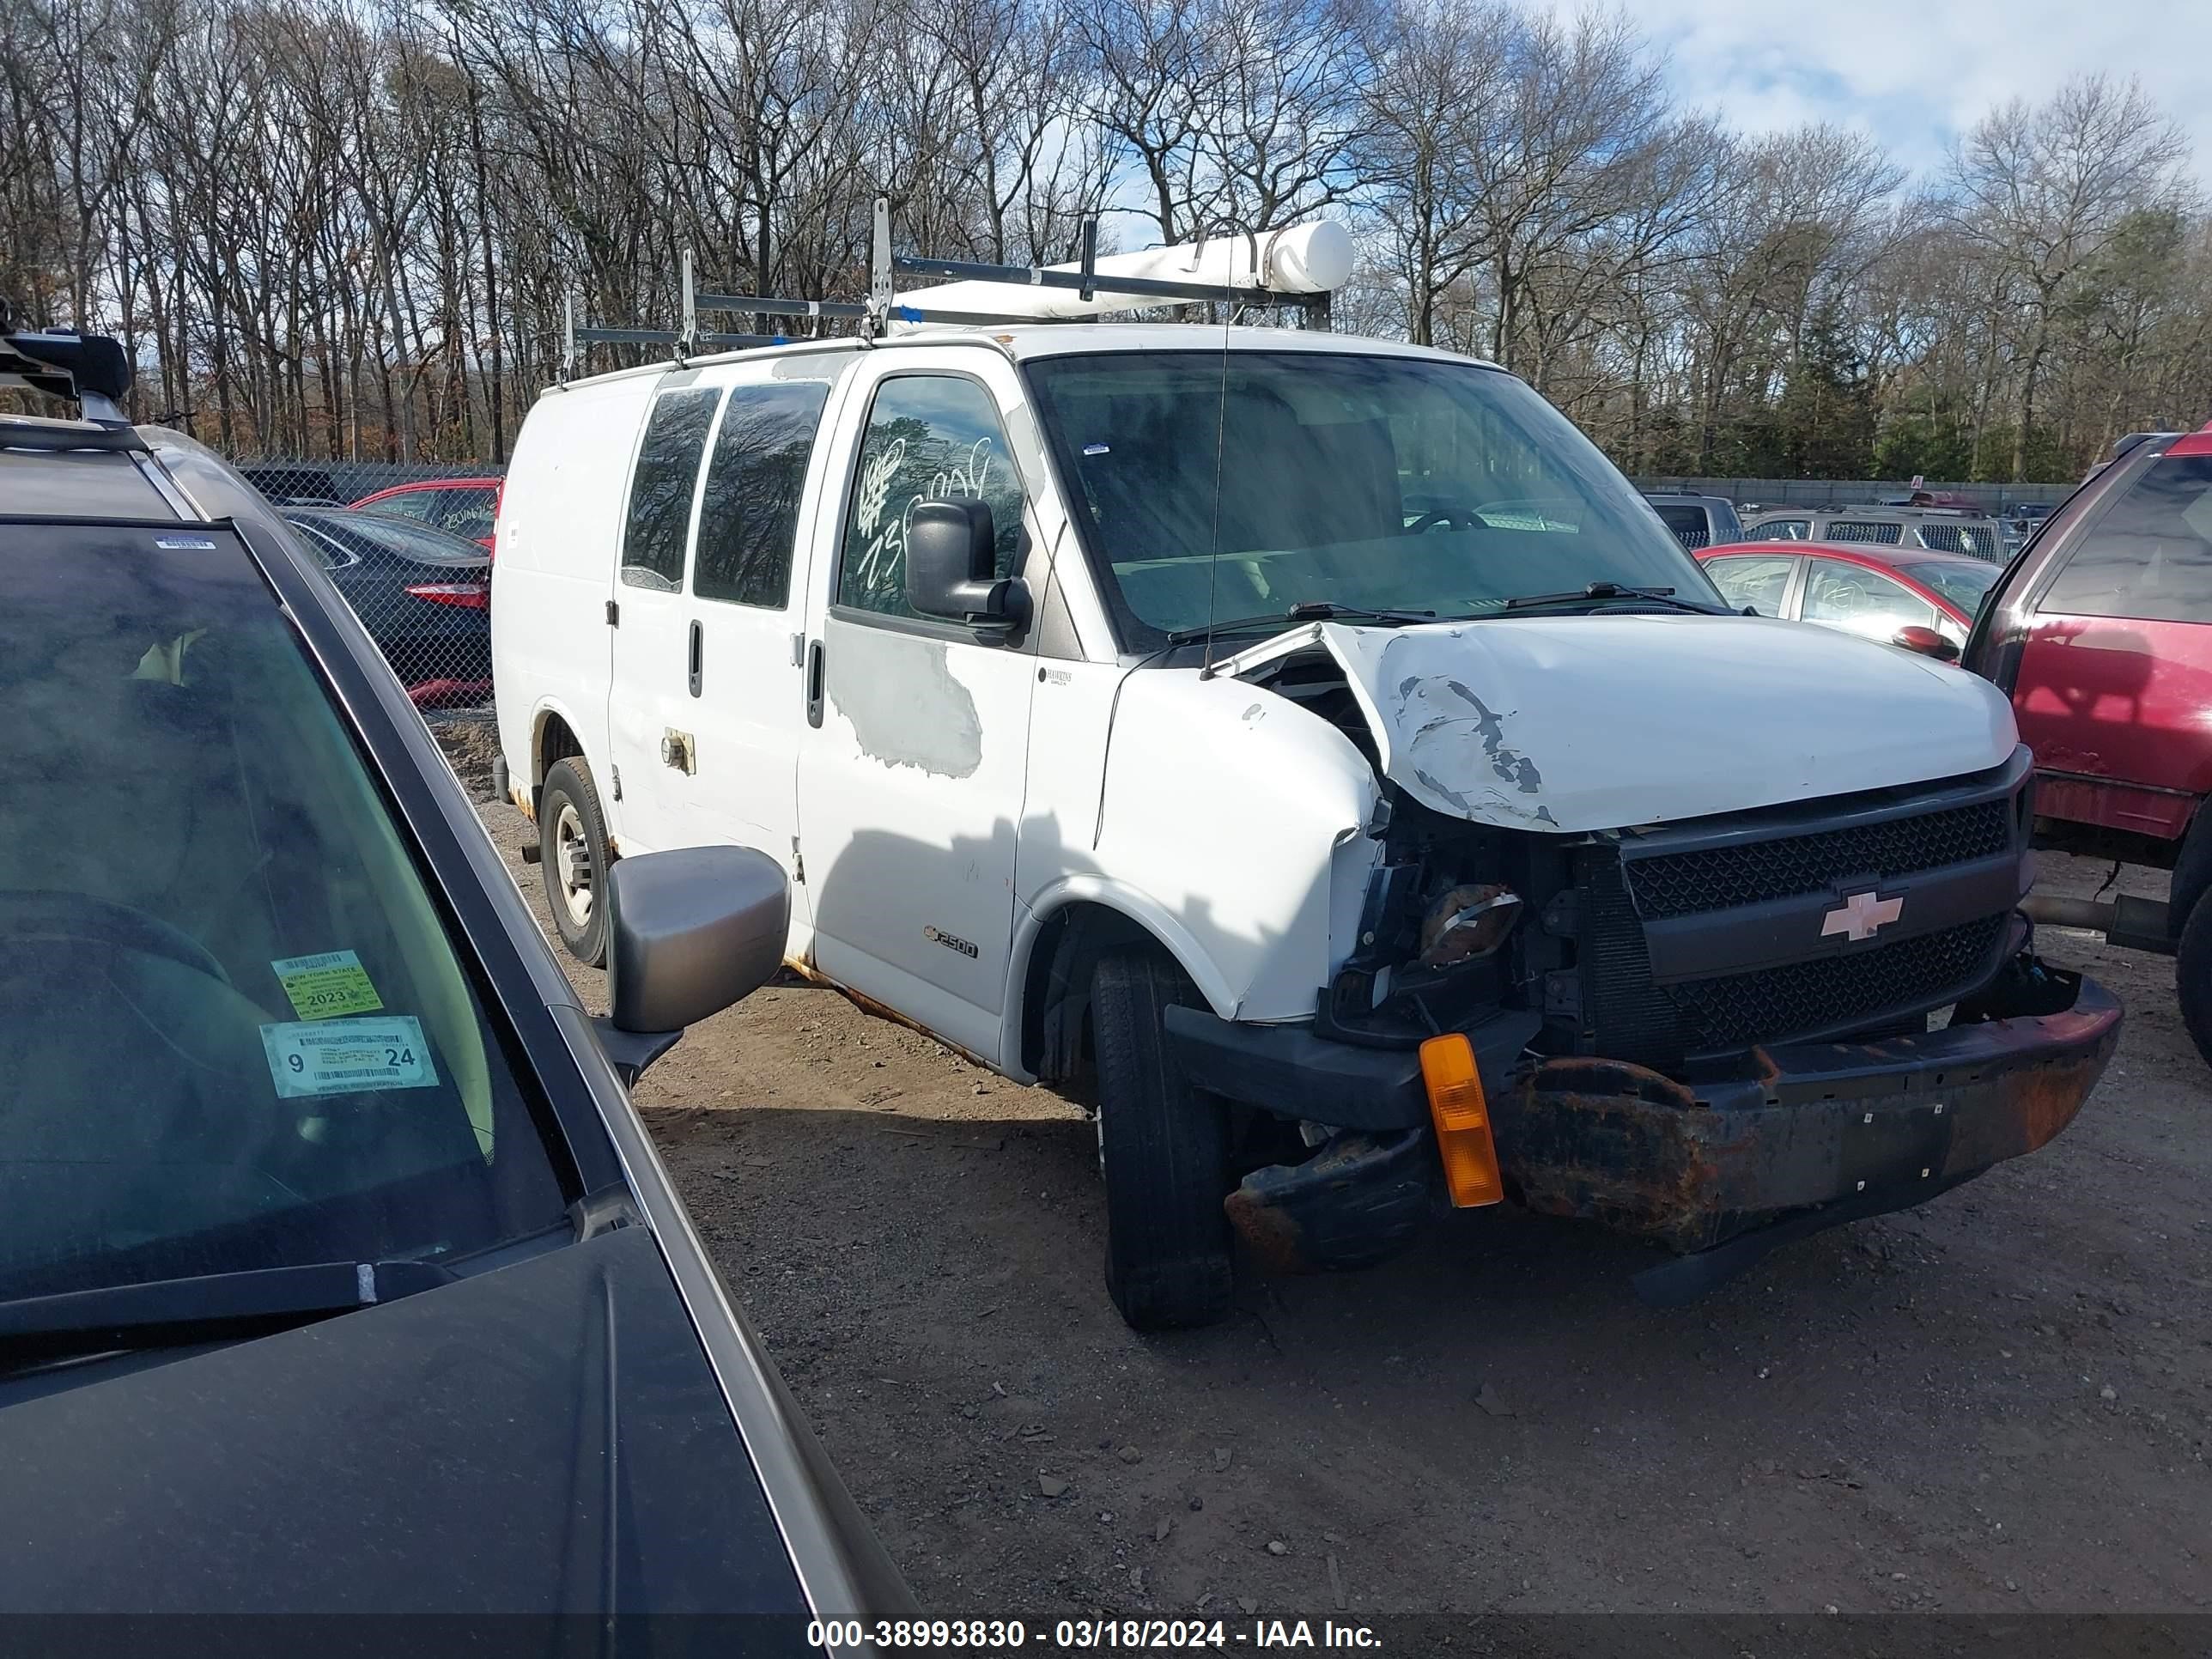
2003,1402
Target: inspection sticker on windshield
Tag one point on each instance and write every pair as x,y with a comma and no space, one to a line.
325,987
348,1056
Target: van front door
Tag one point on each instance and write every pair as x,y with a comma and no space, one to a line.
914,758
648,710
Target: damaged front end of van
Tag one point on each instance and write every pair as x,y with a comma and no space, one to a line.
1724,960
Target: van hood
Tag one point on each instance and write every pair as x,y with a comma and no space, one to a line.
1589,722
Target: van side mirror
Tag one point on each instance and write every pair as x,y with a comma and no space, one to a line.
951,551
689,932
1926,642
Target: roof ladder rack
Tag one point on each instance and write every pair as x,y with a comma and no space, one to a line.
882,306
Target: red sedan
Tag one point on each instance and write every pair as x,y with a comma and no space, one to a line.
1877,590
468,508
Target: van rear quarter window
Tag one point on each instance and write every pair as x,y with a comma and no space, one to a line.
2150,557
749,515
660,488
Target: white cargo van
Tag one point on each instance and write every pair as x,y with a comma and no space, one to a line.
1313,744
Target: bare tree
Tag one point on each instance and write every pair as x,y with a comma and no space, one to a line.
2046,189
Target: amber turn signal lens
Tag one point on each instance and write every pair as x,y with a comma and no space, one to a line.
1462,1115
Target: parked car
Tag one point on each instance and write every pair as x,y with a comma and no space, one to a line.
1877,591
1939,529
2101,635
468,508
288,484
1696,520
1442,831
424,596
338,1273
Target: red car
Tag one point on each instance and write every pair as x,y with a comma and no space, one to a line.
2101,634
468,508
1862,588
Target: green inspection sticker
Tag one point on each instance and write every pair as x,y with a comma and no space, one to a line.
325,987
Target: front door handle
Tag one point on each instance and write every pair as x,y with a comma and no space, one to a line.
814,682
697,643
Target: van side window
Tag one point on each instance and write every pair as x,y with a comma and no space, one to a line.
929,437
2151,556
749,516
660,488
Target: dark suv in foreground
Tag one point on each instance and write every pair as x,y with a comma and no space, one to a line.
337,1272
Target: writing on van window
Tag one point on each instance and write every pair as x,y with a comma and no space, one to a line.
966,478
876,485
929,437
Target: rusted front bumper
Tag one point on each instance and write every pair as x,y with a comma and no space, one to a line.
1820,1134
1857,1127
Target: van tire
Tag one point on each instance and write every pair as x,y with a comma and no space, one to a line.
572,834
1163,1148
2192,976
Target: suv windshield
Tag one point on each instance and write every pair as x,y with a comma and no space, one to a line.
233,1031
1384,483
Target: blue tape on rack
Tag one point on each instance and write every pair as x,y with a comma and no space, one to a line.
907,313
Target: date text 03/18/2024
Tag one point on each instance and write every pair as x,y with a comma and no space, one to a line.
1008,1635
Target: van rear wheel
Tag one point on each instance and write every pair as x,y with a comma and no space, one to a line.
1163,1146
573,836
2192,976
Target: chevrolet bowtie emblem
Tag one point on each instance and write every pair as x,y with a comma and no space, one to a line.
1860,916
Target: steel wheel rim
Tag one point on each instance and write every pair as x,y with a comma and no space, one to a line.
572,856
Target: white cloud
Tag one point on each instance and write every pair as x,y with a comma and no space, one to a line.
1915,73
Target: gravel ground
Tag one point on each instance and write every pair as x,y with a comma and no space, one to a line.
1998,1403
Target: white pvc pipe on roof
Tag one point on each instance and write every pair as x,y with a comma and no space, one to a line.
1309,258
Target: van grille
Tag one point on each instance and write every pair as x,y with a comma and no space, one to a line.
1628,1017
1829,991
1752,872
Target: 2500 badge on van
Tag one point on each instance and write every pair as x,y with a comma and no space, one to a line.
1314,745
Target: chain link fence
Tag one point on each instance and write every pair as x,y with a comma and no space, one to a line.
1996,499
409,547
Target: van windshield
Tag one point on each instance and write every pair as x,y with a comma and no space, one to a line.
1383,483
234,1031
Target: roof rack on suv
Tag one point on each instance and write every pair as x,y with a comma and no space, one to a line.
1279,271
92,370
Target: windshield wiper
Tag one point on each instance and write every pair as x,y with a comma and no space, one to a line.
1614,591
171,1311
1305,612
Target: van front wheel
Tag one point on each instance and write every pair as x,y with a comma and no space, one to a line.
573,835
1163,1146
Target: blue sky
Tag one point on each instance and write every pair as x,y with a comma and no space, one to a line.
1915,73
